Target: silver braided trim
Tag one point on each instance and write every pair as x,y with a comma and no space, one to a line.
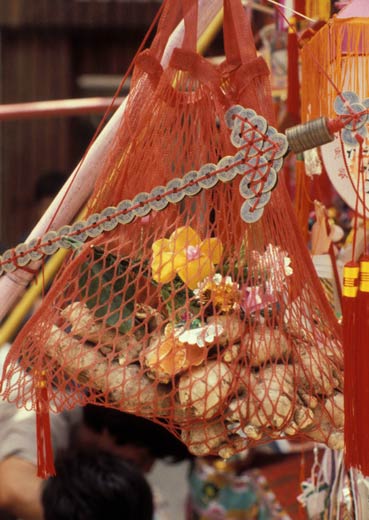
259,158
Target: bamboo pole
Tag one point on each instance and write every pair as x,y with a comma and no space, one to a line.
78,187
57,108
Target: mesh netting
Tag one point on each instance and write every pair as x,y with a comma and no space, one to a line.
185,313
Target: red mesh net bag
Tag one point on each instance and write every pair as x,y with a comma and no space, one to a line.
198,306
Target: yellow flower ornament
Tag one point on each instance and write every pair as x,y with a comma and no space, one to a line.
185,254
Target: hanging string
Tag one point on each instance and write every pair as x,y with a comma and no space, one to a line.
362,175
298,13
311,55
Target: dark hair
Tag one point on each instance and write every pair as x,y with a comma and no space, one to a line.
48,184
126,428
95,486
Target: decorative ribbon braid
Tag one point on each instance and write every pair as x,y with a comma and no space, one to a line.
259,159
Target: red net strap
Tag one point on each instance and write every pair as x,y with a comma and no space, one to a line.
174,11
198,67
170,18
254,69
190,15
148,63
238,39
248,74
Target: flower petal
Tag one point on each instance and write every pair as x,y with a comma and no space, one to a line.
195,271
162,266
169,358
179,260
183,237
287,266
213,249
195,355
160,245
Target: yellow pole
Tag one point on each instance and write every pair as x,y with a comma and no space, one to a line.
11,325
212,30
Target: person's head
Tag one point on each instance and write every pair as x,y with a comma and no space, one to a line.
96,485
136,439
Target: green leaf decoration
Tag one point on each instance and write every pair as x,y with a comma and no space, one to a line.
108,286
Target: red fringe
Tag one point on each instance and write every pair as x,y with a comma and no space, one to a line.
293,99
45,458
355,306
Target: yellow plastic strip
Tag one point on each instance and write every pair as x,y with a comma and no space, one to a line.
212,30
350,281
10,327
364,276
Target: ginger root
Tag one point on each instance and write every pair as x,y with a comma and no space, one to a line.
316,373
80,362
232,325
265,344
88,328
328,422
205,388
268,402
205,437
124,387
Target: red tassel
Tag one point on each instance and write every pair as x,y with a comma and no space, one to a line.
356,360
362,362
45,458
349,325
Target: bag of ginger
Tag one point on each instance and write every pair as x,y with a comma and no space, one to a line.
190,298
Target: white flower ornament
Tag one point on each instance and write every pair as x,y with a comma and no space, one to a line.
200,336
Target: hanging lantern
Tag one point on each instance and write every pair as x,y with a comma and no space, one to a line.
336,60
335,71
